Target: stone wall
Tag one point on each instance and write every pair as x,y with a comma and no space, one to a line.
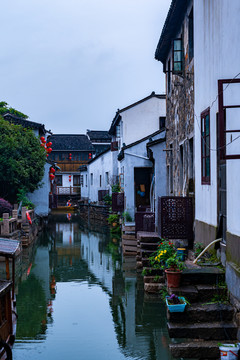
98,213
180,122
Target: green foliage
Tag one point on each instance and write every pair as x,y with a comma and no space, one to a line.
21,196
174,263
107,199
22,160
116,188
4,109
198,248
113,218
165,250
127,217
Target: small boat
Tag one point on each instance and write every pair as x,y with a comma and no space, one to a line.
9,249
67,208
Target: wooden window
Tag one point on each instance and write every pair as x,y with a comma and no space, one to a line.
118,131
76,180
107,178
58,179
177,56
205,146
100,181
91,178
3,317
190,36
162,120
86,180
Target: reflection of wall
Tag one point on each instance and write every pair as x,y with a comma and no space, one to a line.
99,263
41,269
67,233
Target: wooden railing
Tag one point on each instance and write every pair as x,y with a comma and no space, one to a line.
68,190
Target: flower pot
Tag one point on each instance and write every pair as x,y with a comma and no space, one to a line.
176,307
114,224
173,278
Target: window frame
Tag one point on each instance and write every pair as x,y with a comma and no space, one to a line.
177,72
205,180
57,178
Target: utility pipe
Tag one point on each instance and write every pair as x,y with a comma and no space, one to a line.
206,248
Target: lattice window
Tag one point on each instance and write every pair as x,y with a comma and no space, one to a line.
205,146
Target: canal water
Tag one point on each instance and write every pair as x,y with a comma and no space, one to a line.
78,298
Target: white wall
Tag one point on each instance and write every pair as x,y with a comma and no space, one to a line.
131,161
216,56
98,167
40,197
142,119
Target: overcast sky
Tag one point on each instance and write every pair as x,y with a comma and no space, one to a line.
70,64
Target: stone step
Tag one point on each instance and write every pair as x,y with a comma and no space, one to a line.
206,275
148,246
129,242
203,331
153,287
202,313
148,236
197,349
188,291
129,237
128,228
154,279
129,250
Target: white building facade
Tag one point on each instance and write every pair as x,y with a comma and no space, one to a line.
217,130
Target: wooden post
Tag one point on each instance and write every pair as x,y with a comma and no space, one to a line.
7,269
5,224
13,277
24,216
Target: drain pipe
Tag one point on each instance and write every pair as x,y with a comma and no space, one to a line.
206,248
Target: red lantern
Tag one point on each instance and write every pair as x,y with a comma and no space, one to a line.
42,138
52,170
44,141
69,178
50,143
42,145
89,156
49,150
51,176
47,155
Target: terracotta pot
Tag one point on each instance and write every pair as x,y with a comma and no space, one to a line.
173,278
114,224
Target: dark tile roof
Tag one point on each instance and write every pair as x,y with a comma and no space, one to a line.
25,123
70,143
99,135
171,26
117,117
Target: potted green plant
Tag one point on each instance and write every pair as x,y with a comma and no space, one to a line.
176,303
164,251
173,271
113,219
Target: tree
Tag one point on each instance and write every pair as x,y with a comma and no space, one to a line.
22,160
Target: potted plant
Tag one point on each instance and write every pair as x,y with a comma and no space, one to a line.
158,259
176,303
113,219
173,271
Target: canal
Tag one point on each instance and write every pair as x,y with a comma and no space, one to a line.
77,298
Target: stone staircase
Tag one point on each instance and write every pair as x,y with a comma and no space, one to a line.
203,324
129,241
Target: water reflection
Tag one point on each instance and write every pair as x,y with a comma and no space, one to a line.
77,298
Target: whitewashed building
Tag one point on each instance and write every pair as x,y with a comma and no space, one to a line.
132,128
97,177
217,130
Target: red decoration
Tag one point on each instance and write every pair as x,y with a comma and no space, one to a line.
42,138
42,145
69,178
89,156
44,141
52,170
51,176
49,150
50,143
